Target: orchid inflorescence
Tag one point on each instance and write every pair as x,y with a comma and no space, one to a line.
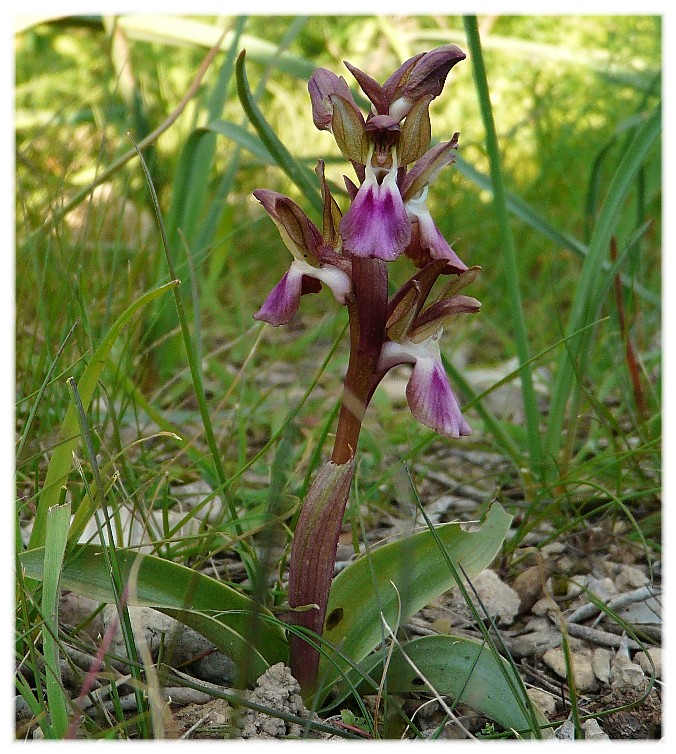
394,161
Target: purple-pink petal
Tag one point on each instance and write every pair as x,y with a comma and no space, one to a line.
301,278
376,225
284,299
436,246
431,399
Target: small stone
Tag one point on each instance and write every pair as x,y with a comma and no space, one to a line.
582,667
529,584
278,690
625,674
543,700
534,644
647,612
644,662
566,731
593,731
553,549
181,644
601,659
545,606
499,599
630,578
603,589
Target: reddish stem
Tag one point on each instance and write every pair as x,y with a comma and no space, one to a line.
313,551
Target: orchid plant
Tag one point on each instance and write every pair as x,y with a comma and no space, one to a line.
394,161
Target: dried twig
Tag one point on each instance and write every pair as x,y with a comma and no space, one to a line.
591,609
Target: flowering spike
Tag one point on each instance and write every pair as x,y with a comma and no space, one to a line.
387,216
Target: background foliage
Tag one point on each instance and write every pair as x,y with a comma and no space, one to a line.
568,95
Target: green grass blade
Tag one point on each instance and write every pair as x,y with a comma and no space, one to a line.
416,567
303,177
62,457
242,137
531,411
572,364
531,217
111,562
190,350
209,606
191,179
41,391
58,519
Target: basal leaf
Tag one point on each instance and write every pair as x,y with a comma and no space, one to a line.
400,578
235,623
463,669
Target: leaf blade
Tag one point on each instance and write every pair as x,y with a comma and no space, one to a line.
423,577
233,621
463,669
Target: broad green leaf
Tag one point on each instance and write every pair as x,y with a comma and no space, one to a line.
464,669
400,578
58,518
69,434
234,623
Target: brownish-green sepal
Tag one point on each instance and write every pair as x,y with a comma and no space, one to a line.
440,313
422,281
347,124
428,75
370,87
461,281
400,320
416,132
428,167
331,213
300,235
